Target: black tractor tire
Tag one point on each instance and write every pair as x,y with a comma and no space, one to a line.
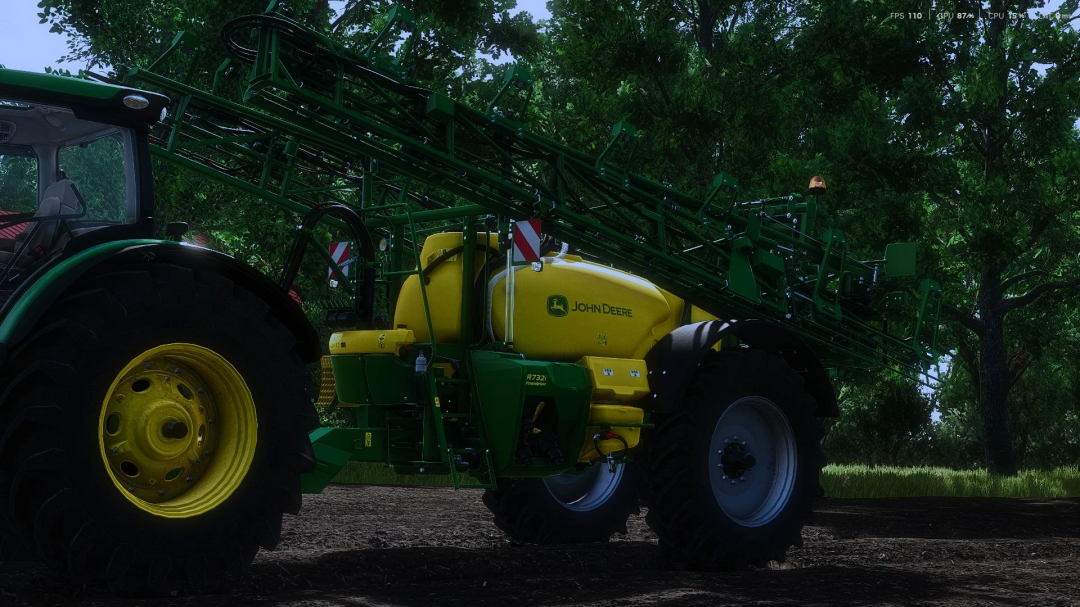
528,511
11,546
57,494
683,492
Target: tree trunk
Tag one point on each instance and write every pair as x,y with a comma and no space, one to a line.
707,17
994,377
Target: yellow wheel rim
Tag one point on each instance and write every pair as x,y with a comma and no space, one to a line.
178,430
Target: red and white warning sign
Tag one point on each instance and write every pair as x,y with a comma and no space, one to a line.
340,252
527,240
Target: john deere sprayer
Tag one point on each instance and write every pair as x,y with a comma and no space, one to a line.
521,317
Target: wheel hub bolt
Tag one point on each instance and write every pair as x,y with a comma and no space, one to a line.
736,461
201,391
189,479
167,378
116,449
732,482
211,420
176,371
161,492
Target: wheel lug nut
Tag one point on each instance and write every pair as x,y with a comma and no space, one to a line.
116,449
732,482
197,460
211,420
206,453
161,492
149,366
201,391
167,378
742,478
131,489
189,479
727,440
723,477
176,371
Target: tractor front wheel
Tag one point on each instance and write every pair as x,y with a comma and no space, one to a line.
155,429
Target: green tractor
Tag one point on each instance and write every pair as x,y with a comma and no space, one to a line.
523,318
155,404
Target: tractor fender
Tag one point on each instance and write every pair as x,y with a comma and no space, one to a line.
673,360
30,302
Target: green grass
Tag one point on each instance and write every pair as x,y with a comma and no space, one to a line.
883,481
841,481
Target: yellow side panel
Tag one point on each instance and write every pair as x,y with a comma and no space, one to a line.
443,289
327,387
674,321
370,342
575,308
600,416
699,315
617,379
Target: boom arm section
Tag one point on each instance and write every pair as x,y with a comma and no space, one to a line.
311,121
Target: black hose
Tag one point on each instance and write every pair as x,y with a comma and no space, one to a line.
367,253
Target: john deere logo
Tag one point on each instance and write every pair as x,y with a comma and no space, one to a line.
557,305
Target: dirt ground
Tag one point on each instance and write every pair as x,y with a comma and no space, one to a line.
383,546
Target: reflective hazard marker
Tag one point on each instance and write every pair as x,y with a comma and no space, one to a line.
527,240
339,251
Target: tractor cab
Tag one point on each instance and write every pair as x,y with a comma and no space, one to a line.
72,162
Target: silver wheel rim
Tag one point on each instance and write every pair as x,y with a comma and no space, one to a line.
588,490
752,461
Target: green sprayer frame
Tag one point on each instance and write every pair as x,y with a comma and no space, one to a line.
314,121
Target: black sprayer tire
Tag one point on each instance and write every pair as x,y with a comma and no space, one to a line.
713,502
531,510
57,492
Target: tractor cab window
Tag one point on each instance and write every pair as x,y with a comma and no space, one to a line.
18,179
61,176
98,168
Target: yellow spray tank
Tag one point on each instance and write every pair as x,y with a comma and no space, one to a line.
443,252
570,309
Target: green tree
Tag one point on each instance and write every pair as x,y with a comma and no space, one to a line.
1004,194
966,146
885,420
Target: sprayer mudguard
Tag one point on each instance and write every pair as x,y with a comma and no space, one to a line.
673,360
37,295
